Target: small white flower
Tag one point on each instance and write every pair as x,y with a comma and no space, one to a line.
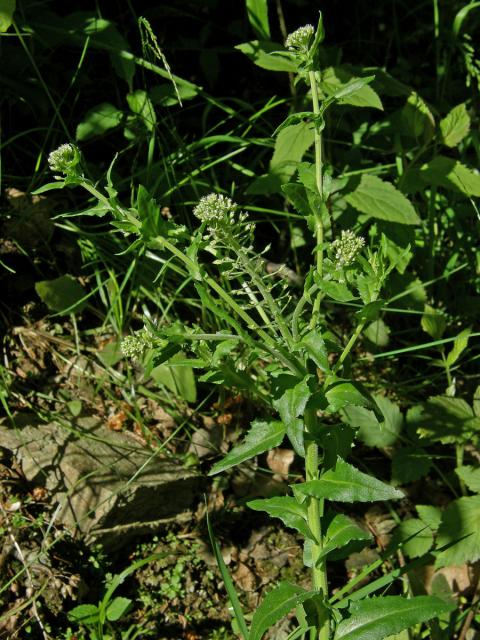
214,207
300,39
133,346
64,159
346,248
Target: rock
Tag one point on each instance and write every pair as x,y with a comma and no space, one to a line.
109,487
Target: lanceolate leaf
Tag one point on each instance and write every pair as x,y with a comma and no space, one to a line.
345,483
378,618
275,606
288,510
257,11
261,437
344,393
382,200
340,532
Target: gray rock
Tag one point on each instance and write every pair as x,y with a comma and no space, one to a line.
109,487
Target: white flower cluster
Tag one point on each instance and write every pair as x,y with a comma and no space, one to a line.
346,248
214,207
299,40
64,159
133,346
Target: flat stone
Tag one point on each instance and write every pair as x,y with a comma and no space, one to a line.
109,487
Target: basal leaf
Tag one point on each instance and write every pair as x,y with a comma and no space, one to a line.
455,126
470,476
63,294
460,529
377,618
345,483
380,199
452,175
288,510
275,605
261,437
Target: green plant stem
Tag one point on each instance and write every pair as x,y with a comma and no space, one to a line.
314,514
349,346
319,182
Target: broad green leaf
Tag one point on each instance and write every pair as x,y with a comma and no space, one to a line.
229,586
341,85
84,614
345,483
336,441
340,532
416,118
455,126
63,294
268,55
382,200
275,606
297,195
460,528
290,406
98,120
370,430
343,394
433,322
314,345
337,291
430,515
452,175
416,537
444,419
288,510
378,333
470,476
7,9
117,608
177,375
141,105
459,346
167,94
261,437
257,11
377,618
410,464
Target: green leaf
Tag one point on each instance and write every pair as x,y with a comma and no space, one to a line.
352,88
410,464
455,126
98,120
227,581
459,346
7,9
268,55
345,483
416,537
84,614
337,291
460,528
370,430
345,393
177,376
290,406
261,437
444,419
382,200
378,333
377,618
341,85
340,531
470,476
75,407
141,105
452,175
416,119
63,295
275,606
297,195
433,322
430,515
288,510
314,345
257,11
117,608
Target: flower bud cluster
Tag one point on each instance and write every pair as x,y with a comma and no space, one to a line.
65,159
214,207
346,248
300,39
133,346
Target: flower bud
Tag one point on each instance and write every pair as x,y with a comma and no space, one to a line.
300,39
65,159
